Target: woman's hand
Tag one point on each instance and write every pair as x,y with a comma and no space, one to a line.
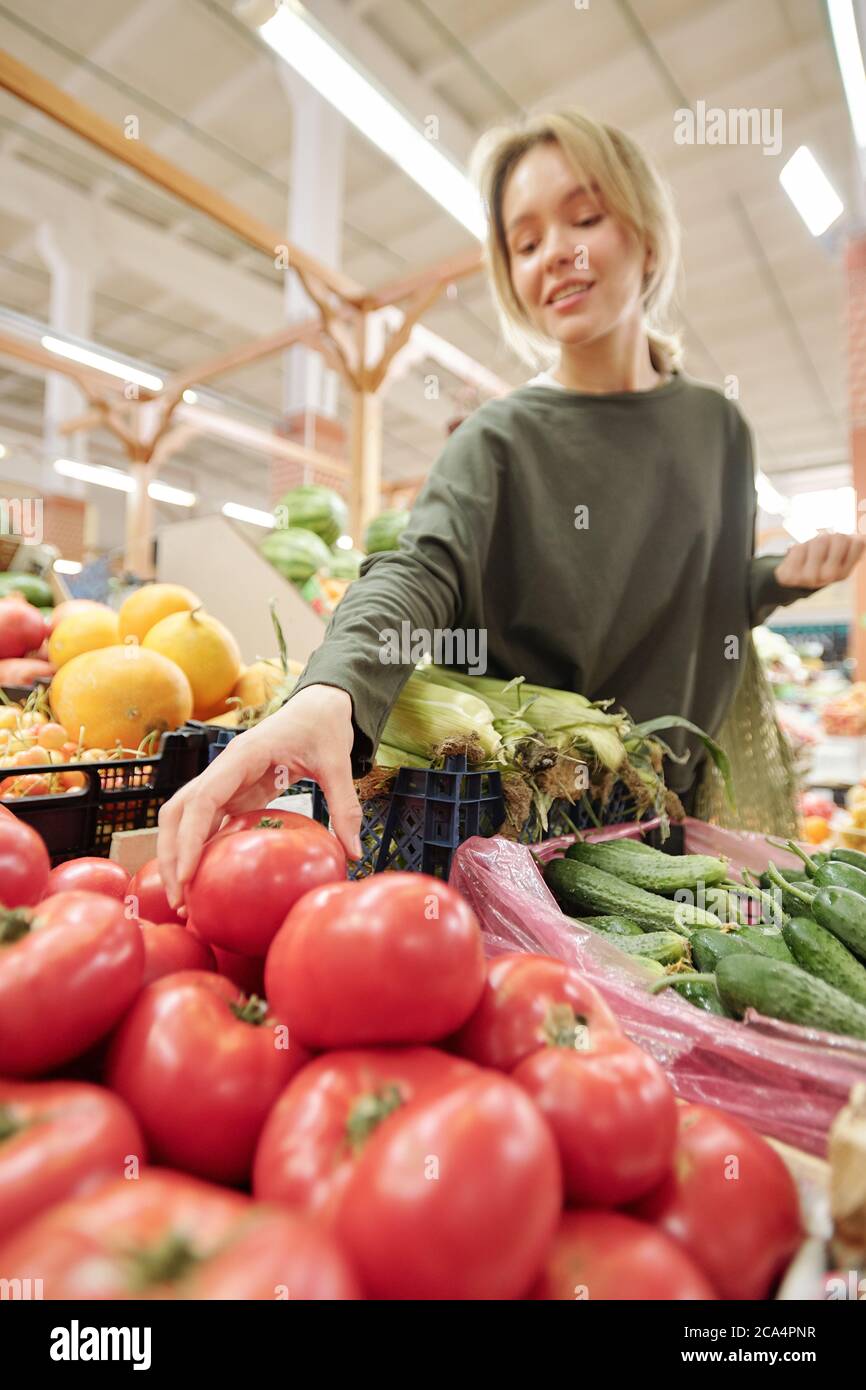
820,561
311,736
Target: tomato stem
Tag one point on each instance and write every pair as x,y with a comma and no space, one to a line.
368,1112
10,1124
163,1263
564,1028
15,922
270,823
253,1010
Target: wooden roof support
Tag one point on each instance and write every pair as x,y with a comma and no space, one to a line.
23,82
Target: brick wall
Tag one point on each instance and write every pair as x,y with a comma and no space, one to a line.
316,432
856,269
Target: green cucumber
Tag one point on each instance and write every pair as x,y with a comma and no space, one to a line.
582,888
836,875
709,947
697,989
849,856
787,992
769,941
842,912
640,845
796,876
655,872
666,947
823,955
616,926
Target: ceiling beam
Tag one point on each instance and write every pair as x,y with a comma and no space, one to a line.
29,86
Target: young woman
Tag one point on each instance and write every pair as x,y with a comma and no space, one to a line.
596,524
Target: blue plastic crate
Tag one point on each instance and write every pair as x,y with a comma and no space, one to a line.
428,812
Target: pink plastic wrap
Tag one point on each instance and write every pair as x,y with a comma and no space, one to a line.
786,1081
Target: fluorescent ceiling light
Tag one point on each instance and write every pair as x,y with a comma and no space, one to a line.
344,543
111,365
90,473
252,514
850,58
292,34
811,191
2,451
828,509
67,566
177,496
190,396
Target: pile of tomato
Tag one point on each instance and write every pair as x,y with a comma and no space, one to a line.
312,1088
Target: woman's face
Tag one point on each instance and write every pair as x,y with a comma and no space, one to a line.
577,273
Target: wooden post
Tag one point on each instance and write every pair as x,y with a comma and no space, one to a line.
366,457
138,553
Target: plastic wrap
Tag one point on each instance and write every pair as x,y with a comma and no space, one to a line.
786,1081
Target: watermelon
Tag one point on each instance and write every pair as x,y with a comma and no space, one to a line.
345,564
36,590
384,531
313,508
296,553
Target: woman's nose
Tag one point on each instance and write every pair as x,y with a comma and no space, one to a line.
560,251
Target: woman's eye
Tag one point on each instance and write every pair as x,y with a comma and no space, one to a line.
589,221
527,246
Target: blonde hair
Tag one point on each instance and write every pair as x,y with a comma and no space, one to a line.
632,191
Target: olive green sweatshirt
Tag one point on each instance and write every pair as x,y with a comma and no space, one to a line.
596,543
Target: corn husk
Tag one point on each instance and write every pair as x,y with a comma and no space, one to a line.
386,756
426,716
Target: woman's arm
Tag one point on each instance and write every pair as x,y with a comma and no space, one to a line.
780,579
343,697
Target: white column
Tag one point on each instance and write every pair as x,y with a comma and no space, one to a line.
314,224
71,254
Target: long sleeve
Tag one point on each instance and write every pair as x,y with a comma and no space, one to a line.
422,586
765,592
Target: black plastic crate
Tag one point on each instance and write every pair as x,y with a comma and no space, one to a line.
419,823
121,794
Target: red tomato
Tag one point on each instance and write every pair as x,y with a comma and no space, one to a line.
246,883
613,1114
730,1201
457,1197
66,980
603,1255
22,627
268,818
146,897
201,1065
24,865
57,1139
247,972
394,958
317,1130
530,1002
169,947
168,1236
92,875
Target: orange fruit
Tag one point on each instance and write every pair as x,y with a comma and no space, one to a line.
86,630
142,610
257,683
119,694
74,605
205,650
815,829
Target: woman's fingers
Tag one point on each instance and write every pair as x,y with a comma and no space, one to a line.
344,808
825,559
